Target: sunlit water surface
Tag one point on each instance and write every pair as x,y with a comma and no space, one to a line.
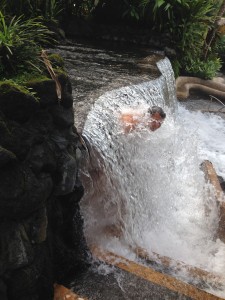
150,183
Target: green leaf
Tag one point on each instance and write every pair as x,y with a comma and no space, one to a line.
168,5
159,3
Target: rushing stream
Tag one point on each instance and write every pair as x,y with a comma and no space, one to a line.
149,184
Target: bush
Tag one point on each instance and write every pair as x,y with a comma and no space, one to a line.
20,44
205,69
187,23
50,10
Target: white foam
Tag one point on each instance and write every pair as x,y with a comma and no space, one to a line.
210,129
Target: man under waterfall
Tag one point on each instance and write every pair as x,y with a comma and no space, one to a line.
137,120
95,175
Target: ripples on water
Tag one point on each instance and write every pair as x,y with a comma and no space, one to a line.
151,183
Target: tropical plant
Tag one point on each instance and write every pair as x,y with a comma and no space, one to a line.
20,42
83,7
132,9
212,36
54,10
187,23
48,9
203,68
163,10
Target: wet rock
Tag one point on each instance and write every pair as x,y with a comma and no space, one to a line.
21,192
16,104
170,52
45,91
21,141
38,156
42,158
33,281
69,245
6,156
36,226
4,128
15,138
16,251
3,290
63,117
59,140
41,123
67,171
67,99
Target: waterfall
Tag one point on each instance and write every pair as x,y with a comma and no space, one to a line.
149,184
167,72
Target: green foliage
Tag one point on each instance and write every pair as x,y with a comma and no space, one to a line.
56,60
176,67
82,7
132,9
53,8
7,86
187,23
25,77
205,69
164,10
50,10
20,42
220,46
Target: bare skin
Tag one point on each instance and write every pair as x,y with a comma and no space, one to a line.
131,121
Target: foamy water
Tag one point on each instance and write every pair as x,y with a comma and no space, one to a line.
184,232
210,129
150,184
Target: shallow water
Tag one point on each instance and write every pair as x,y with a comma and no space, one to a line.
97,67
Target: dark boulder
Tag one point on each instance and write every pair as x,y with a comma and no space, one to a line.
6,156
63,117
16,251
21,192
41,228
45,91
16,104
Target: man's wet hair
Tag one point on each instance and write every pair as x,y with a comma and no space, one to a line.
156,109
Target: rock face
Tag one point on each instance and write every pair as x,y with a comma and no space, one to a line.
41,237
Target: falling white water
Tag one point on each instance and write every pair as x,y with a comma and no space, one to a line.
150,183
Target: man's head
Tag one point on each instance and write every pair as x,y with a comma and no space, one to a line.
157,116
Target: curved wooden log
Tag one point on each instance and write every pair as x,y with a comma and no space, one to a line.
63,293
151,275
214,87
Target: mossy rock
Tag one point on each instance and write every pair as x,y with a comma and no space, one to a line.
56,60
45,90
16,102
